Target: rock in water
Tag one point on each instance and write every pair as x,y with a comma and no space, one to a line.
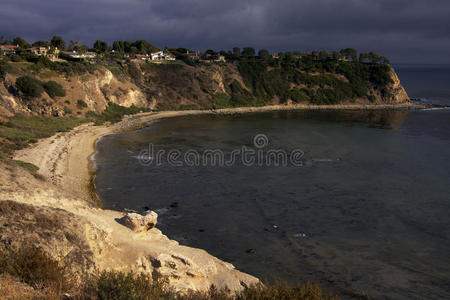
140,222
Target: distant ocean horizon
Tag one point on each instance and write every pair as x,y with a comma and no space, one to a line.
427,82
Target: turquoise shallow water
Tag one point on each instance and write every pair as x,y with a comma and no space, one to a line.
366,213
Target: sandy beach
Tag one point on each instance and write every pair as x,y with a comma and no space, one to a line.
64,160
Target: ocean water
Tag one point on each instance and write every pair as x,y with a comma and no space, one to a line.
430,83
363,211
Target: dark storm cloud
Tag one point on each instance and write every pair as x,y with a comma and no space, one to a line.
404,30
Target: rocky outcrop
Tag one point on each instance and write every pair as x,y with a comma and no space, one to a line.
95,89
140,222
398,93
104,87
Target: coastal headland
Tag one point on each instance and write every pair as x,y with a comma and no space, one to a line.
47,196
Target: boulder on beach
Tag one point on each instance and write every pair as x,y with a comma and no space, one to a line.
140,222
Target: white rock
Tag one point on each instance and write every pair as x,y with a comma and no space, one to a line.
140,222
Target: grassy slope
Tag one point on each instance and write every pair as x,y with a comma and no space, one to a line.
22,130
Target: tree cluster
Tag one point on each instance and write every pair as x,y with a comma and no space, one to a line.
29,86
129,47
373,58
139,46
247,53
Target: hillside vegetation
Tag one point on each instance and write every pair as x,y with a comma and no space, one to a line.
59,88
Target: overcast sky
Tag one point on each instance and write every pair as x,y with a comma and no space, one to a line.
402,30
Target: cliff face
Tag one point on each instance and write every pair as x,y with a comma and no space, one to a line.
181,86
392,93
398,93
95,90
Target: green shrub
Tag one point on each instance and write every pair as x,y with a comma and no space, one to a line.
163,106
21,130
29,86
188,107
380,75
2,70
91,115
81,104
299,95
29,166
113,113
124,286
67,111
66,68
221,101
135,73
241,97
117,71
279,291
175,66
54,89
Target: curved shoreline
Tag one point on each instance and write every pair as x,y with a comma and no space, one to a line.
66,161
137,121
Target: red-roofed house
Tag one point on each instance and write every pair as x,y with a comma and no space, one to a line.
143,57
8,49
